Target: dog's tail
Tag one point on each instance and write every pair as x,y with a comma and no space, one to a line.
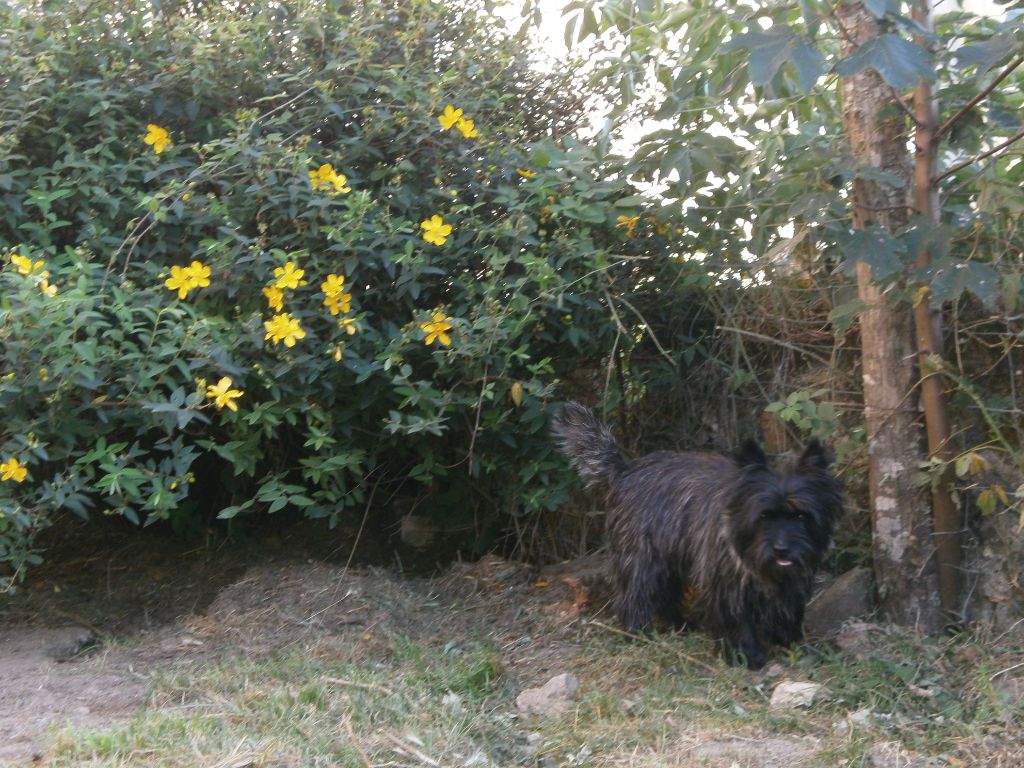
588,443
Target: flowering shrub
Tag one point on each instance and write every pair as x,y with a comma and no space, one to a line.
386,309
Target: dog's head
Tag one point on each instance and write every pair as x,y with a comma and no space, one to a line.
782,521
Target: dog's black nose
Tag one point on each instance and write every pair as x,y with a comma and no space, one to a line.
782,556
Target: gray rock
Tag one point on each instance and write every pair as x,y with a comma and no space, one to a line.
551,699
857,639
849,596
790,694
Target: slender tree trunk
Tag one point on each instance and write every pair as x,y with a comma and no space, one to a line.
900,514
928,323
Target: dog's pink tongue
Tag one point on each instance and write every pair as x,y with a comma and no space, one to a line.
784,563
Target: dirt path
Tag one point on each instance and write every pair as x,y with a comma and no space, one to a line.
38,692
80,647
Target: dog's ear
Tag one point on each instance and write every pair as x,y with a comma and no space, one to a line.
751,455
815,457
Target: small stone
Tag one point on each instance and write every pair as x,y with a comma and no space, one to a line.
847,597
861,717
791,694
894,755
856,639
551,699
453,703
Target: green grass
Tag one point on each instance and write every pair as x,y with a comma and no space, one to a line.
643,702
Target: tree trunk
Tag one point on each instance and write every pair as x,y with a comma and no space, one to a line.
900,514
928,323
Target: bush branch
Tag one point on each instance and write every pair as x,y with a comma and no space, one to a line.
978,97
988,153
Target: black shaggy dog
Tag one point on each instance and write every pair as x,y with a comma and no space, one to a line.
741,539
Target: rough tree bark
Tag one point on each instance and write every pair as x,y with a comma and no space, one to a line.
876,128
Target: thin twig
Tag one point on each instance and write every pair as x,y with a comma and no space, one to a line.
362,524
1008,669
633,636
365,686
903,105
650,332
411,750
988,153
978,97
355,743
786,344
617,631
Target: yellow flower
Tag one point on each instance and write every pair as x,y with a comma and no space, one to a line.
339,352
25,265
335,298
200,274
333,284
158,137
288,276
48,289
466,128
435,230
14,470
660,228
449,117
325,178
525,173
283,327
437,328
348,325
222,394
629,222
338,303
180,281
184,279
275,297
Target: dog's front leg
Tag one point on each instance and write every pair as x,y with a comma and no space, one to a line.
789,628
742,641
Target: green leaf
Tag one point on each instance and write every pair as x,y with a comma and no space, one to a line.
631,201
987,502
769,50
228,512
986,54
879,8
809,63
901,63
876,248
842,316
953,277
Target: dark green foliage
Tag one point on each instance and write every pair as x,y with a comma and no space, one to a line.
104,383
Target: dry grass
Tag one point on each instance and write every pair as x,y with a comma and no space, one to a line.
440,692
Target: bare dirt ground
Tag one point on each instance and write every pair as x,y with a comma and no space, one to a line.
89,635
81,640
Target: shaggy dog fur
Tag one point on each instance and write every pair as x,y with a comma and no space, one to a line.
741,539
